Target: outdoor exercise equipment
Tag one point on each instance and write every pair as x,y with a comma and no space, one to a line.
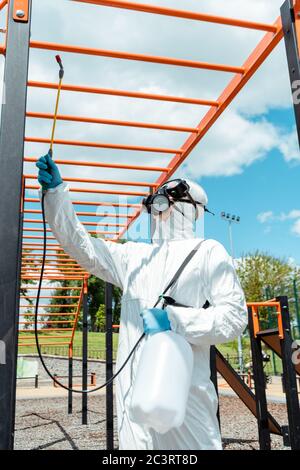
21,231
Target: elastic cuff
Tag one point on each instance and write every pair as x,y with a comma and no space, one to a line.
172,317
58,189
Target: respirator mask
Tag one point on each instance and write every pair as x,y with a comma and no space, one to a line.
167,195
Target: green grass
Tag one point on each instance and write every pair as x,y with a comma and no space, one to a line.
96,349
96,344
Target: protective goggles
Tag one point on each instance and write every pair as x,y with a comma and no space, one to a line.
169,193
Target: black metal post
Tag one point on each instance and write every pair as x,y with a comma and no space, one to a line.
292,53
11,164
109,368
260,388
150,225
214,376
70,381
289,376
85,353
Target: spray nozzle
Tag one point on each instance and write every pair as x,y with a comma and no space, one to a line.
61,68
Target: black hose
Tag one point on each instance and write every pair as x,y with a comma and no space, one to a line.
36,320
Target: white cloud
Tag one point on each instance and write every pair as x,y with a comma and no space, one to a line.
293,214
234,142
269,217
289,147
264,217
231,145
296,228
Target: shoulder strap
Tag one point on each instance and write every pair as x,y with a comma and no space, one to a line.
179,270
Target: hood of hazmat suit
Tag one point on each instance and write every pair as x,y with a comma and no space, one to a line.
179,221
142,271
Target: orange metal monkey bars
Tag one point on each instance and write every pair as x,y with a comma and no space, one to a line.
113,122
190,15
140,57
123,93
3,4
122,204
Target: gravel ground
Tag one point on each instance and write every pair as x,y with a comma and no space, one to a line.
59,366
45,425
239,427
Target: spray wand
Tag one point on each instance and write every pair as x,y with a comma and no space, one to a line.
44,190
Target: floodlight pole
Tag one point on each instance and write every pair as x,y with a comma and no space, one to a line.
230,219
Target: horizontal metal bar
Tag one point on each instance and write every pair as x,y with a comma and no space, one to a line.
97,191
43,344
52,288
102,165
48,263
90,203
49,46
52,306
54,278
94,224
43,331
123,93
31,246
26,266
59,314
51,297
34,237
86,214
96,181
47,336
41,230
33,256
51,269
76,143
42,322
264,304
190,15
111,122
22,345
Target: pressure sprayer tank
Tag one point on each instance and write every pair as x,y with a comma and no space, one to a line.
162,383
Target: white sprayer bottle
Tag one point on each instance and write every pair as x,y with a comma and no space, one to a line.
162,383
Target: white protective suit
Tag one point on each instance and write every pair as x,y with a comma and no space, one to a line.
142,271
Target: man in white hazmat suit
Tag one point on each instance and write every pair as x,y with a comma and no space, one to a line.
142,271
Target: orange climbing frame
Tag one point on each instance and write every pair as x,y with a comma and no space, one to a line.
122,208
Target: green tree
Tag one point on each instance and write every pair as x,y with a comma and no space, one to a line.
96,299
100,318
259,270
73,289
25,286
263,276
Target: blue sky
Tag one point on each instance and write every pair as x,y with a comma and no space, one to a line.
269,184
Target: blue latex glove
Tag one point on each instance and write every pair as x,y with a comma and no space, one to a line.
155,320
48,176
